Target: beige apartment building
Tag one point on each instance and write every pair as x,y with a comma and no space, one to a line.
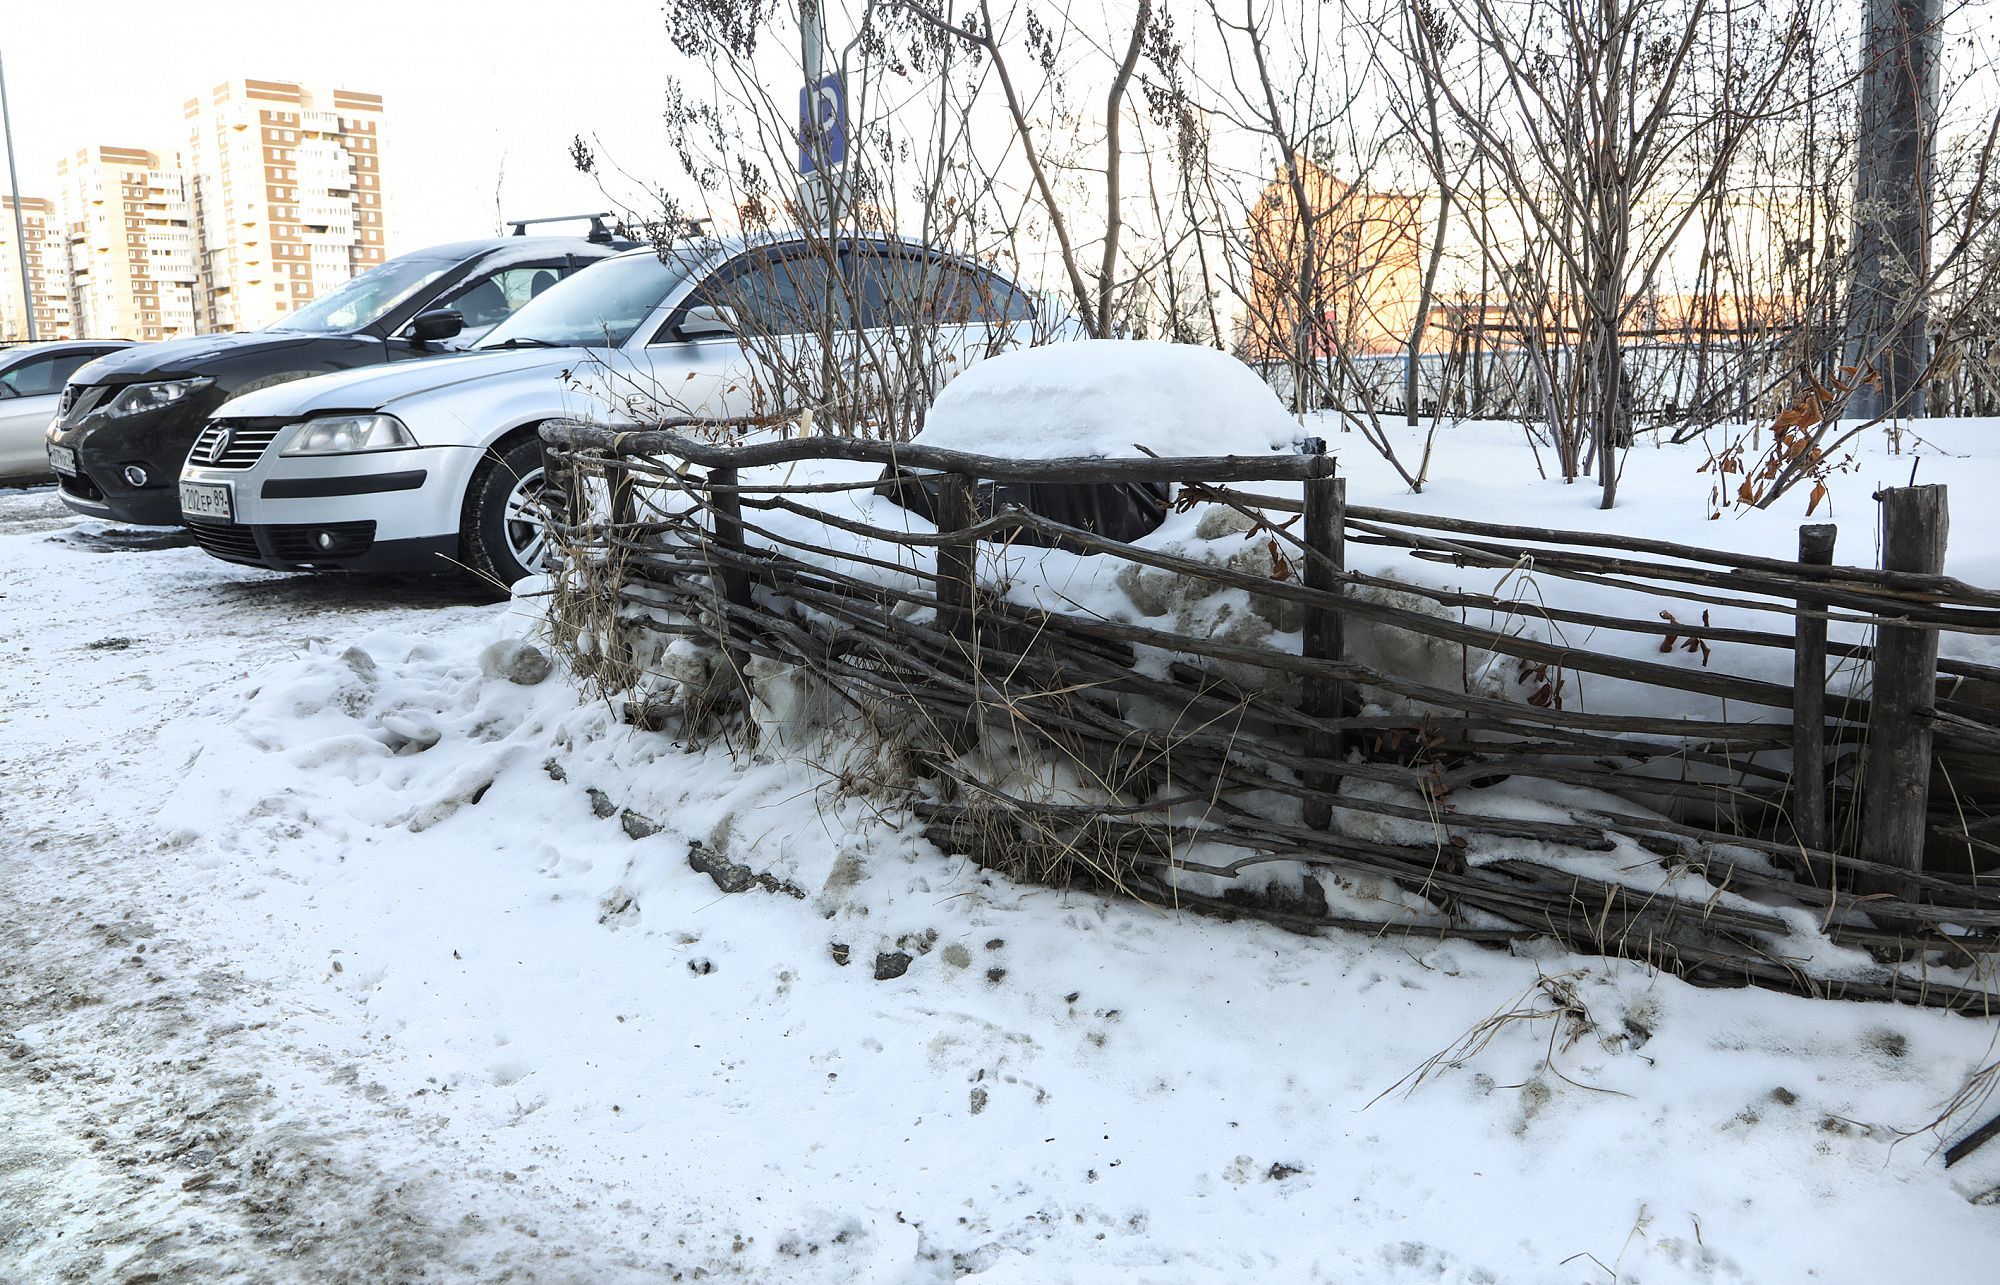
287,186
48,272
128,230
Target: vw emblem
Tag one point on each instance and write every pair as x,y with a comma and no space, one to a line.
220,447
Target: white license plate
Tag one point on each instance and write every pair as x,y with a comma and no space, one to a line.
63,460
206,500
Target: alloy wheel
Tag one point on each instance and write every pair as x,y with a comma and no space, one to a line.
526,522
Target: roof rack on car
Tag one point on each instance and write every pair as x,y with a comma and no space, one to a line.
599,234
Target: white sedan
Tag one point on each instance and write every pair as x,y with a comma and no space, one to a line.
31,384
436,464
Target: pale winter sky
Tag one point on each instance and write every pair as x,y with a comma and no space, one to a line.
471,89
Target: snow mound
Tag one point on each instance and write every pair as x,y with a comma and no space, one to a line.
1107,397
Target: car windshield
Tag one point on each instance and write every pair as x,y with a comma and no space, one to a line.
367,298
599,306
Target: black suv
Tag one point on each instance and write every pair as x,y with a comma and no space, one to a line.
127,421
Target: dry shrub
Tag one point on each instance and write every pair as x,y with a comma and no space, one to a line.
1030,847
1554,999
585,604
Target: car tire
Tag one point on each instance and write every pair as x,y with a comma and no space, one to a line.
501,541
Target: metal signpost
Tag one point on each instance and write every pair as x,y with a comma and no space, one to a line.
14,191
822,122
822,140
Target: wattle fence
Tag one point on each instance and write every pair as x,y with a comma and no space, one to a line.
1873,805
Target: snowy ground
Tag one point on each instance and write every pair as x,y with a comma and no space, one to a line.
313,967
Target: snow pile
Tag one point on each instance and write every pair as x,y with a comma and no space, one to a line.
517,965
1101,398
887,1064
1198,608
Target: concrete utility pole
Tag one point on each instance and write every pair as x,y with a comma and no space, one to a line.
812,42
1888,320
14,191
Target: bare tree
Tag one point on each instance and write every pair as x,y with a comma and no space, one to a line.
981,31
1595,153
1597,216
1894,175
1319,264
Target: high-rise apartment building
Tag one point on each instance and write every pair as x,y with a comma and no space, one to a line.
129,232
277,200
288,195
48,272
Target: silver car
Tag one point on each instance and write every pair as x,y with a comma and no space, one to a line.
423,465
31,384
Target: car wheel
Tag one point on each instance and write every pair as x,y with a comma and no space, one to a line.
506,534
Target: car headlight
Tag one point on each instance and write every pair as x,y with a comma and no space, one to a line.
349,435
137,399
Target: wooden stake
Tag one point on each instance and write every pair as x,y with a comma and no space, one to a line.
1809,814
1914,526
956,560
725,507
1323,696
957,564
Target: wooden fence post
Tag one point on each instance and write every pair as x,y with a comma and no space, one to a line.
623,505
725,510
619,648
725,507
1914,525
957,565
956,561
563,485
1810,820
1323,696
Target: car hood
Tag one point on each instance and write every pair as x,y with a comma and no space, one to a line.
182,358
383,387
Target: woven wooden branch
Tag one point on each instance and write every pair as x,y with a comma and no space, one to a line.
1061,686
664,441
1189,751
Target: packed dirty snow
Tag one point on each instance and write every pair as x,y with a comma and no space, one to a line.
1105,398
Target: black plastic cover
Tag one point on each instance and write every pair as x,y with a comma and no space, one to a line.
1122,511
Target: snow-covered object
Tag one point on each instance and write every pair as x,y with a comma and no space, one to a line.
516,661
1108,397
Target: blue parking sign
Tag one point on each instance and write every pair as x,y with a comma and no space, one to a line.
822,125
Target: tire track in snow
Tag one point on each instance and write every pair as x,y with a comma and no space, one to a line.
148,1140
161,1120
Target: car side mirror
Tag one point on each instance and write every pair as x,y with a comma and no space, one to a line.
706,321
438,323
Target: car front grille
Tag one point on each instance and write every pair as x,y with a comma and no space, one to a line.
80,401
226,540
80,486
299,544
226,445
